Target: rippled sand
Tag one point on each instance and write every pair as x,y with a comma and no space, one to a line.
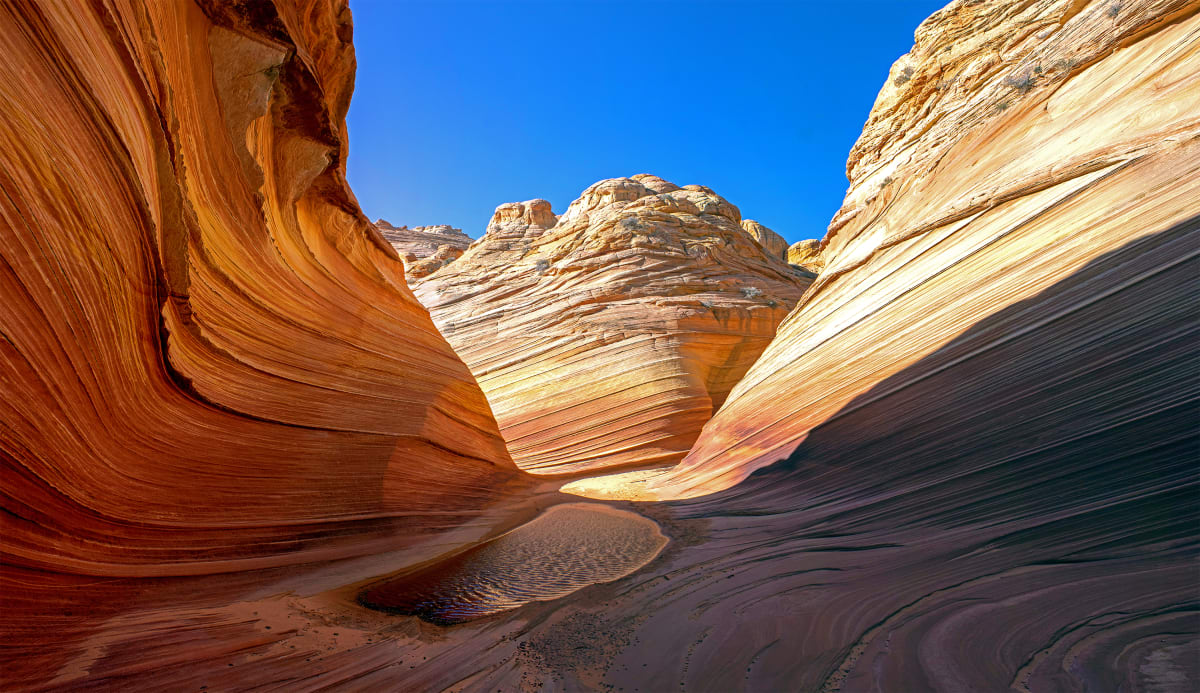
566,548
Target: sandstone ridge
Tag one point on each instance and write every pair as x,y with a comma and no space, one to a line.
966,462
806,255
771,242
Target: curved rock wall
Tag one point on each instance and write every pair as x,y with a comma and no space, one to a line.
209,358
1015,143
605,338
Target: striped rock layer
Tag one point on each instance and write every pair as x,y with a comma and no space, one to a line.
1014,147
772,242
606,337
209,359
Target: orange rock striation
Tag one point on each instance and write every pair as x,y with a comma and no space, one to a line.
210,360
607,336
423,268
1012,146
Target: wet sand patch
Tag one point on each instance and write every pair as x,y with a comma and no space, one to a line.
565,549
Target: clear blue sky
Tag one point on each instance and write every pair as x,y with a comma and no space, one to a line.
461,106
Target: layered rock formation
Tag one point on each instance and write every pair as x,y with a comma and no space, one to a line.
210,359
1014,145
992,482
424,249
806,255
771,242
987,402
607,336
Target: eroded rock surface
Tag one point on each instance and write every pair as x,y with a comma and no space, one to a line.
419,268
772,242
607,336
994,486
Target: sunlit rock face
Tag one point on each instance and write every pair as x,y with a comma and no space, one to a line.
771,242
445,254
1006,500
1014,145
607,336
806,255
210,359
424,249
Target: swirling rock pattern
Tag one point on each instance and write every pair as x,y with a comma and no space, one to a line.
210,360
423,268
993,485
607,336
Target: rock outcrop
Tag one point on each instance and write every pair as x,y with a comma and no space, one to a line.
606,337
806,255
210,359
986,404
772,242
423,242
1012,147
418,268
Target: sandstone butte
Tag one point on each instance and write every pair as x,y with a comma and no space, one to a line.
606,337
424,249
224,413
